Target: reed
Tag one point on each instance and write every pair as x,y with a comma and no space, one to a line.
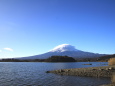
111,61
113,79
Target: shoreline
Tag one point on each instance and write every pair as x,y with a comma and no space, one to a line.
103,71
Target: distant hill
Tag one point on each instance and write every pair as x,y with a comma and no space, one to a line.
106,58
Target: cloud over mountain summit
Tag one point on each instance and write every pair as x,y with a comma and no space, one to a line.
65,50
64,47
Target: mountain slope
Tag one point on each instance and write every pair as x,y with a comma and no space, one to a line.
65,50
106,58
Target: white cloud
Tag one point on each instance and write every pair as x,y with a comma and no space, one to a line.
0,50
9,49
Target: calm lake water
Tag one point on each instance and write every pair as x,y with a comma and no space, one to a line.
33,74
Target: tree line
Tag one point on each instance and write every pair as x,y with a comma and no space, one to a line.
50,59
61,59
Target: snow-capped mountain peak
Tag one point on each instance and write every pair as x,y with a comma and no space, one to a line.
65,50
64,47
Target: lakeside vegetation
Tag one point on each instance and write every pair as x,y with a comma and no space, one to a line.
60,59
50,59
63,59
111,61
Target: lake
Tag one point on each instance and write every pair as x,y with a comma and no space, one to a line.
33,74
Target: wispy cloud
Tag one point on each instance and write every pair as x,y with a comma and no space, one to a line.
9,49
0,50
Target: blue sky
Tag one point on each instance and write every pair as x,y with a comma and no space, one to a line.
31,27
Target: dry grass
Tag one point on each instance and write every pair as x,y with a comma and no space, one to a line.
113,78
112,61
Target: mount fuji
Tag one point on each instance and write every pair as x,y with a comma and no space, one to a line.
65,50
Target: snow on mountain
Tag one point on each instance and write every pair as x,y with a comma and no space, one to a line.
63,48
